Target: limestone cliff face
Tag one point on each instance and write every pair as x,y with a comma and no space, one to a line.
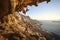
18,27
10,6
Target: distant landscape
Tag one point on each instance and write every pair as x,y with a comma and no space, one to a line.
56,21
51,26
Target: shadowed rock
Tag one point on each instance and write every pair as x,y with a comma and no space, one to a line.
11,6
14,26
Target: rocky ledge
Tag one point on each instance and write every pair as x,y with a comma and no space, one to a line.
19,27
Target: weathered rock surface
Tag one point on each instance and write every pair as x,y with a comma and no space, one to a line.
18,27
11,6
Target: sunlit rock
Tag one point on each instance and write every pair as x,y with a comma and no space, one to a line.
11,6
19,27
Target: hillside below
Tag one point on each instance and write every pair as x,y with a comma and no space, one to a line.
19,27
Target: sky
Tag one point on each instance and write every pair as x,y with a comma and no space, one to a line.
44,11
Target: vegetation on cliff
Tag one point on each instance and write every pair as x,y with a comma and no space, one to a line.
18,27
14,26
